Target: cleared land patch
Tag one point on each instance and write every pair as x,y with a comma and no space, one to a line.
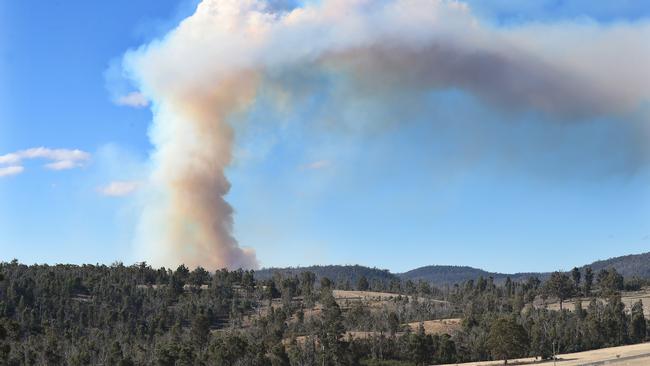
628,298
632,355
438,326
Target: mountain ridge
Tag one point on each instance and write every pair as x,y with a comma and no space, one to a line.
631,265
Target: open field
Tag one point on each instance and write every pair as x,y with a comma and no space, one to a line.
633,355
628,298
374,296
439,326
374,300
363,295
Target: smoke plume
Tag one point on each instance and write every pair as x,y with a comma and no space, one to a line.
213,64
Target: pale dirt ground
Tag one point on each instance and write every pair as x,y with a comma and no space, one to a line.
628,298
373,296
639,356
363,295
343,298
439,326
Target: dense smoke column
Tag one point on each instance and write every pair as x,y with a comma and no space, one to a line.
190,222
214,62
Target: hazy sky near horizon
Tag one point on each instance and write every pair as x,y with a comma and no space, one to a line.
460,182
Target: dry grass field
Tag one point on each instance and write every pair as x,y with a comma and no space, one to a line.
373,296
375,300
628,299
363,295
440,326
633,355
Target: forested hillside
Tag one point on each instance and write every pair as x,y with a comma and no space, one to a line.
637,265
449,275
634,265
340,274
138,315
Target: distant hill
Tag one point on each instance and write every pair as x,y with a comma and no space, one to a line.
444,274
448,275
333,272
629,266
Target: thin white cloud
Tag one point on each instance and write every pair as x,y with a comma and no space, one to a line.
62,165
319,164
119,188
61,159
11,158
11,170
134,99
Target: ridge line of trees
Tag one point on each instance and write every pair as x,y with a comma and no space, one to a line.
138,315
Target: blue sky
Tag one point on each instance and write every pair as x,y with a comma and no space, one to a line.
516,192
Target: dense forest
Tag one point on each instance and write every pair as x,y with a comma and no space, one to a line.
138,315
337,273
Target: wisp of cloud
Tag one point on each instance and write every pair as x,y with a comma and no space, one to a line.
61,159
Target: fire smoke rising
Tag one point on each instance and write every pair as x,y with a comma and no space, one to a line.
214,63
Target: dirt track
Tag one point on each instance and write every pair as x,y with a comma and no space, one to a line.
633,355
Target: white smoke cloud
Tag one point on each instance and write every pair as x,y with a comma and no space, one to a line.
61,159
211,66
119,188
133,99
